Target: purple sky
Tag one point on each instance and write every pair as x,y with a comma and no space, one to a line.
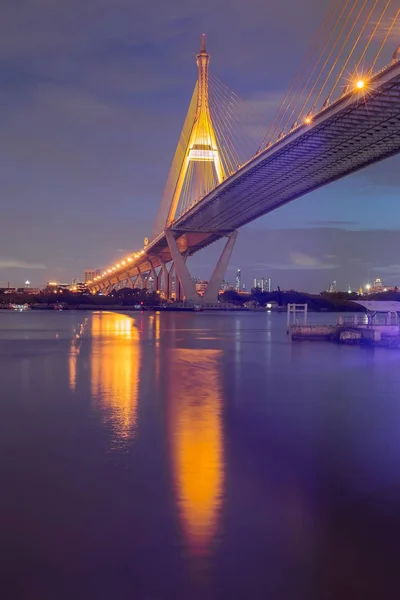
93,98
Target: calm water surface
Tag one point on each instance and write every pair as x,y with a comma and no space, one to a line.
180,456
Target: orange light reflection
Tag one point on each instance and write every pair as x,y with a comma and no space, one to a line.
72,364
196,443
115,363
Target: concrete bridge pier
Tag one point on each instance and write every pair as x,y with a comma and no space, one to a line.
181,270
184,286
165,275
214,285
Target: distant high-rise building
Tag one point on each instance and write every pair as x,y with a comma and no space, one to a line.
332,287
263,284
377,286
151,284
90,274
238,280
225,285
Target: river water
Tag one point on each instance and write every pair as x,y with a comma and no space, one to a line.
194,456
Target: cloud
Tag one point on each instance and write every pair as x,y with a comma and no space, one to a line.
266,103
304,261
332,223
298,261
11,263
385,26
389,270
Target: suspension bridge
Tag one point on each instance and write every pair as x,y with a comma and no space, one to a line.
340,114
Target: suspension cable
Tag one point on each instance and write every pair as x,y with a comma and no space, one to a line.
372,34
302,70
389,31
323,67
338,55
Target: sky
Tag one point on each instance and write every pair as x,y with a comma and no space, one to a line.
93,98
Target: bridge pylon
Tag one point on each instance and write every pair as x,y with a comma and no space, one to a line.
201,148
202,144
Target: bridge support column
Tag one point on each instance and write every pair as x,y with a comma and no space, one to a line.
171,276
142,280
179,294
154,275
107,288
181,270
211,293
157,287
165,275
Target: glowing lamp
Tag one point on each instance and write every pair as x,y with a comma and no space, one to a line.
307,120
360,84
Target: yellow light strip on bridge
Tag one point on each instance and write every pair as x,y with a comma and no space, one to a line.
118,266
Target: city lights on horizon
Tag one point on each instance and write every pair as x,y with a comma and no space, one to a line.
367,288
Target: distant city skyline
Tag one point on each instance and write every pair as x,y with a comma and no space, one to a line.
244,281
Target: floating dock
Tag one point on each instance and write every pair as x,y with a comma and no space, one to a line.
337,333
380,323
